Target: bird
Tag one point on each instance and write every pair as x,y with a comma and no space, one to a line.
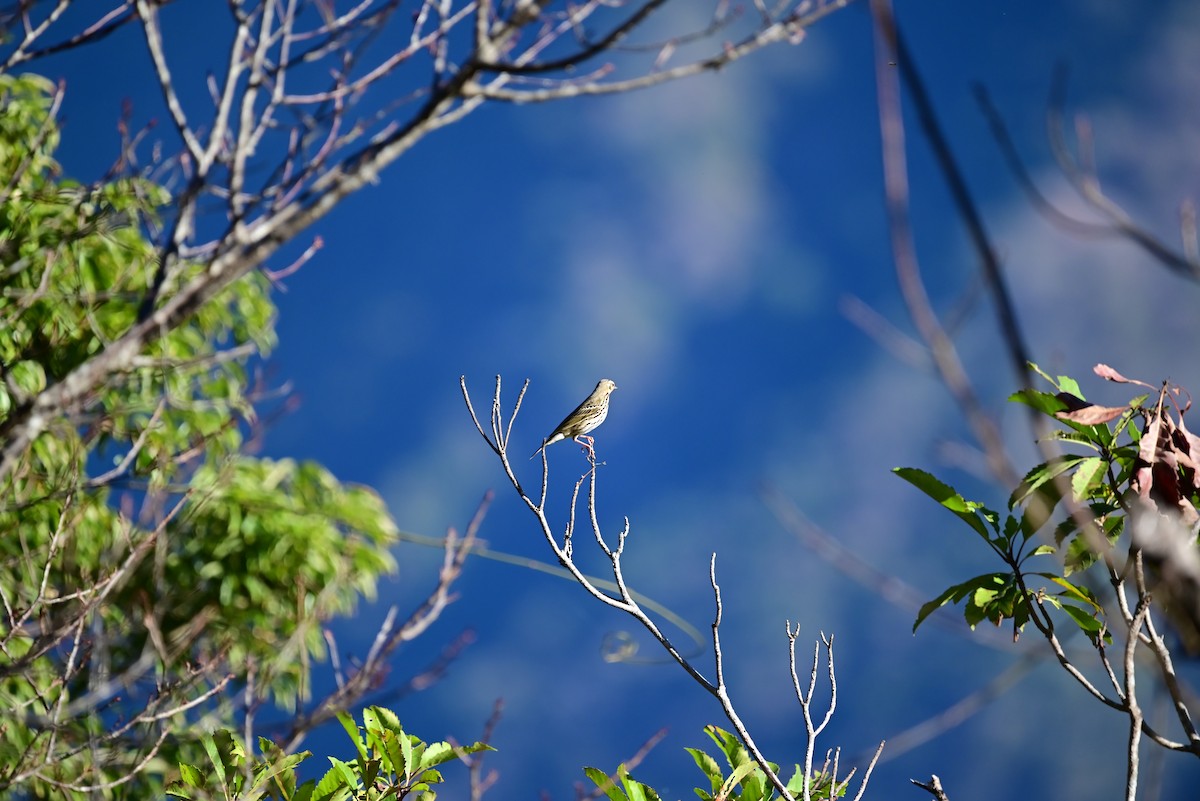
586,417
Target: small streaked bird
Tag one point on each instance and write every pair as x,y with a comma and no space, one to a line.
586,417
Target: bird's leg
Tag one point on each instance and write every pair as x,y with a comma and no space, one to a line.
587,443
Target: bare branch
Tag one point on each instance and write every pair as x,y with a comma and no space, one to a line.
945,356
102,27
389,636
1133,708
148,12
625,600
722,695
329,154
933,787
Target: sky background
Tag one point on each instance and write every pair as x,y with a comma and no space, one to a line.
698,243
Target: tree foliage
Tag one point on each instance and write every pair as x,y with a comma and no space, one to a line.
388,763
150,565
1101,539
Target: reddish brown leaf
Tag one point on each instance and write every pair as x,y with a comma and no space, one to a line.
1148,448
1193,442
1166,483
1092,414
1140,481
1187,445
1107,373
1181,393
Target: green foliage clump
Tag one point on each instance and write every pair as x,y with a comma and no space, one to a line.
148,564
390,763
745,781
1137,462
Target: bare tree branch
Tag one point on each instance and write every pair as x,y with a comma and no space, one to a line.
389,636
933,787
327,154
499,440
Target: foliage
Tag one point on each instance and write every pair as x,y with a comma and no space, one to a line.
148,562
1124,556
390,763
630,790
745,780
1138,463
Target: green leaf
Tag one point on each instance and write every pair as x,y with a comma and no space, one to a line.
1074,591
348,777
1044,402
795,785
406,768
987,581
282,766
709,766
1039,477
179,790
370,769
305,792
754,792
973,514
217,745
333,786
191,775
355,734
1068,384
633,788
730,745
385,718
1012,527
1079,554
1086,620
391,747
442,752
1062,383
601,780
28,376
431,776
1089,472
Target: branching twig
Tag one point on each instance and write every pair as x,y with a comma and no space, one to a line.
390,636
326,154
623,600
933,787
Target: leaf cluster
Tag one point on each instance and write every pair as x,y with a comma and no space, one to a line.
1139,457
147,560
390,763
745,780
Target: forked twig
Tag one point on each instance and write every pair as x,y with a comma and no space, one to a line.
623,599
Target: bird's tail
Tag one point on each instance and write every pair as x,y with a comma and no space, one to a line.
539,450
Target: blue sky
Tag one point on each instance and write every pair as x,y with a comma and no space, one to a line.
695,243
